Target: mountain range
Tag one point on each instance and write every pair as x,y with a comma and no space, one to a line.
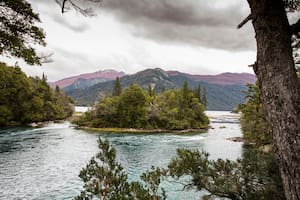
224,91
88,79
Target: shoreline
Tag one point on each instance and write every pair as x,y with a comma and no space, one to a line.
34,124
134,130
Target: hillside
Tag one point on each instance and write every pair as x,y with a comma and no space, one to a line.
219,79
222,96
95,77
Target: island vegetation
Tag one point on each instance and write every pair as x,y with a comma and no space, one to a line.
140,109
29,99
255,176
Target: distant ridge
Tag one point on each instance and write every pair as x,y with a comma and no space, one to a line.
224,91
104,75
223,79
227,78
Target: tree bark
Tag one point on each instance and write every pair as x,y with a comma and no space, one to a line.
280,90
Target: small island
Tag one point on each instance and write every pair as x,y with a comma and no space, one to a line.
140,111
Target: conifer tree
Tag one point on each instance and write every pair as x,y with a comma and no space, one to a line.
150,91
204,98
106,179
117,87
197,93
185,90
57,89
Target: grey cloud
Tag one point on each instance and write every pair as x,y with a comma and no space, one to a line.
191,22
52,9
188,22
69,54
75,27
187,12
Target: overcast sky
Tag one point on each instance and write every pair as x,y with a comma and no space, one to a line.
193,36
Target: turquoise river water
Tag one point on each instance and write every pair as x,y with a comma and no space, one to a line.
44,163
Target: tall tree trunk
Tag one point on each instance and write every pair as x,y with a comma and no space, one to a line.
280,90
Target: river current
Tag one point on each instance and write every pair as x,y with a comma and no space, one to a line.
44,163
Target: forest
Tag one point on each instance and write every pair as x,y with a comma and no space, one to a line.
29,99
137,108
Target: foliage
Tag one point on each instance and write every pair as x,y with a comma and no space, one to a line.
135,108
204,99
256,176
197,92
132,107
19,31
253,122
104,178
117,87
25,100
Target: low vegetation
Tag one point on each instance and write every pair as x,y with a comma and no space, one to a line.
254,176
253,123
27,99
104,178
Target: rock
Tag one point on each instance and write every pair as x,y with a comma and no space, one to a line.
266,148
33,124
240,139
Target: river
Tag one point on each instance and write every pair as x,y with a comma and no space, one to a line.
44,163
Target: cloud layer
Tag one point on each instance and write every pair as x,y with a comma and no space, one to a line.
202,23
192,22
194,36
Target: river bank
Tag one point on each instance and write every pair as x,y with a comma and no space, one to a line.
134,130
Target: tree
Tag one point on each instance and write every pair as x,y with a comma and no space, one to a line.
197,93
132,107
105,179
26,99
204,98
253,122
280,90
253,177
117,87
185,90
150,91
57,89
18,31
84,11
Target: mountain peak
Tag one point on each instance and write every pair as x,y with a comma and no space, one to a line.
109,71
154,71
105,75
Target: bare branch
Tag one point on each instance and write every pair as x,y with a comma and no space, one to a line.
244,21
46,58
84,11
63,6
